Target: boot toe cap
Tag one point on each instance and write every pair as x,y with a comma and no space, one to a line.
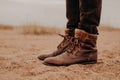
52,61
41,57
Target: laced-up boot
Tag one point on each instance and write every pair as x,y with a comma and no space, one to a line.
82,50
68,38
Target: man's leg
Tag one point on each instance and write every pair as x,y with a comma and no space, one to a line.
72,13
83,49
90,11
72,7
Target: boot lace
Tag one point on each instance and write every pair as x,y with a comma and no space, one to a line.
65,42
74,47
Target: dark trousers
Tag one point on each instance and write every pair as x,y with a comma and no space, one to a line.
83,14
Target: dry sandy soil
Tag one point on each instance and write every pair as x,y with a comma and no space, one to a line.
18,58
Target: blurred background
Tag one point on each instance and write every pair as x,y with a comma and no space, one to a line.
29,28
50,13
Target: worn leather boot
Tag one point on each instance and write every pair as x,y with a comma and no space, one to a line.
82,50
68,38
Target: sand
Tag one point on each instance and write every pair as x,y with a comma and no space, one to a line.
18,58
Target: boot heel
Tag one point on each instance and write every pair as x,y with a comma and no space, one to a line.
89,62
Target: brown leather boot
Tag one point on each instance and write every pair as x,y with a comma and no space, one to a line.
69,36
82,50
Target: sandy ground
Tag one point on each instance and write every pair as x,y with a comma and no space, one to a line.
18,58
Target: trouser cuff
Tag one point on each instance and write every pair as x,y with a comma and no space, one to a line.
92,29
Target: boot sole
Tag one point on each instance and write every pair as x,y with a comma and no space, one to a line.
88,62
83,62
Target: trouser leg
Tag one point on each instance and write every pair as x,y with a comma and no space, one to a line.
72,13
90,11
